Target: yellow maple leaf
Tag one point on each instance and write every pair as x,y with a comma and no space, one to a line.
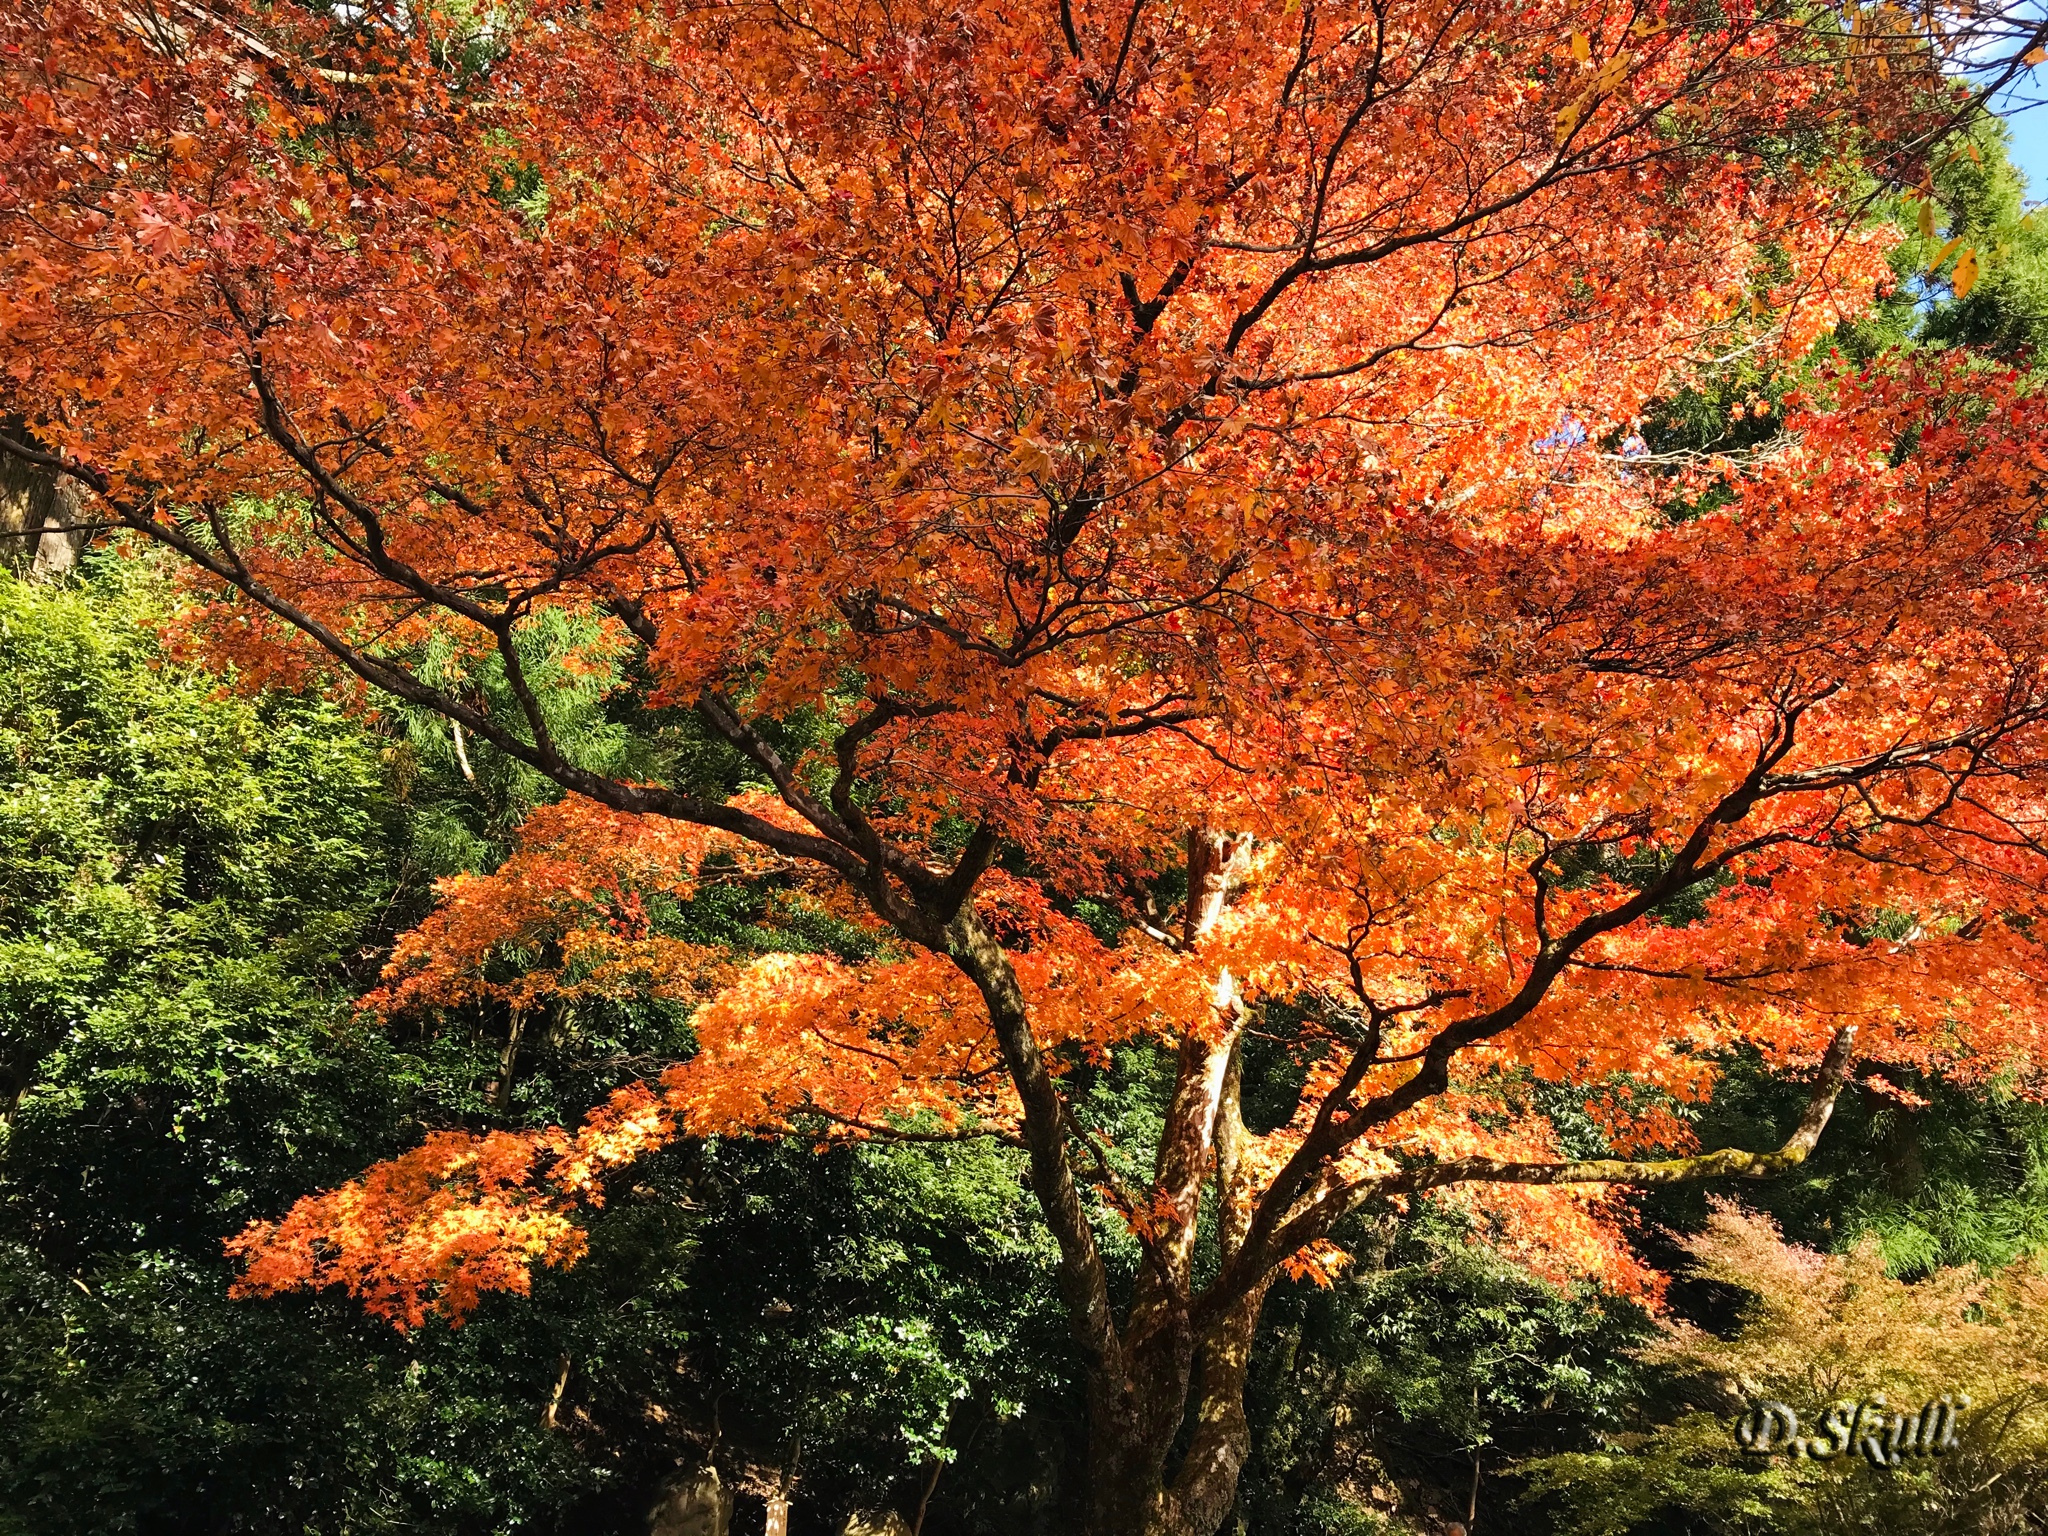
1964,278
1944,253
1568,119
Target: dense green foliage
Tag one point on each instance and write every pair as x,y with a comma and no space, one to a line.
1430,1364
197,885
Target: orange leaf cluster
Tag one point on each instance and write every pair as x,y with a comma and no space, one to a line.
460,1215
1108,423
567,914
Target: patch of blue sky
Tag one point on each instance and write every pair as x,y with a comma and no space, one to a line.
2023,103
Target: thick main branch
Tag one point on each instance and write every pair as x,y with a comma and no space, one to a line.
1726,1163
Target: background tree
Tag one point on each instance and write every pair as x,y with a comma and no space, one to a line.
199,885
1142,444
1817,1329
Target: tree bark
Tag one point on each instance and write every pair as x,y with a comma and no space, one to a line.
1176,1372
1164,1373
508,1060
40,513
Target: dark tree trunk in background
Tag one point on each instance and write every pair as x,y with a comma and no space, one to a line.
693,1504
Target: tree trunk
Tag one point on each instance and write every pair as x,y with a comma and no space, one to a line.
1167,1377
1135,1486
508,1060
692,1504
1139,1379
38,511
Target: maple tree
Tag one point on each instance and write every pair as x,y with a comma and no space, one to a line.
1162,451
1820,1329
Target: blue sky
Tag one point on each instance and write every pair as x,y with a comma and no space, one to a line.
2030,149
2030,146
2024,102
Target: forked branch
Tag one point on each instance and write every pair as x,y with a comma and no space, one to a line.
1325,1205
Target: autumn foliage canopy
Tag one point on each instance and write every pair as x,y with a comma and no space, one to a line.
1172,454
